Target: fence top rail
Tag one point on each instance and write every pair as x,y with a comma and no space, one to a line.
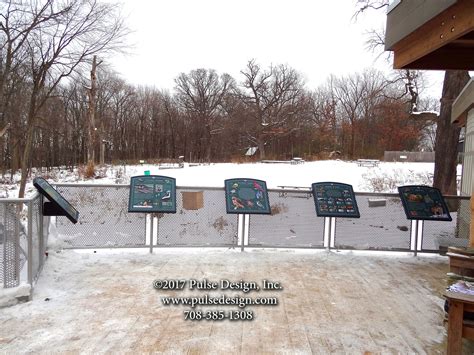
128,186
20,200
292,189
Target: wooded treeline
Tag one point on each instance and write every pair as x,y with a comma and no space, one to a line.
48,102
212,117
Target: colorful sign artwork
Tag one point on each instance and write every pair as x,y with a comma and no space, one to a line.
62,206
152,193
424,203
333,199
247,196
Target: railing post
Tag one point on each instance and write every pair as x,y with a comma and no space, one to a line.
40,230
30,242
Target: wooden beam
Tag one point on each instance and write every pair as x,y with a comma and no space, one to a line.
449,57
446,27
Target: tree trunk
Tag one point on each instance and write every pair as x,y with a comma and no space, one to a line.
352,150
91,114
447,134
261,149
208,145
25,161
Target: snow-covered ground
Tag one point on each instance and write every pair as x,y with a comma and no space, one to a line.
104,302
340,303
383,178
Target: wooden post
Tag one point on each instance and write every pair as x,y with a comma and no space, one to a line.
471,234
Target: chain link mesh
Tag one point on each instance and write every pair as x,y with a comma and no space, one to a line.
104,220
11,262
382,225
200,220
438,235
293,222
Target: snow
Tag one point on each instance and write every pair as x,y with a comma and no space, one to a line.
334,302
429,112
302,175
11,296
383,178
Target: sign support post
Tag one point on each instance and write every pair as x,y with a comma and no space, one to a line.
422,203
152,223
332,200
152,194
245,197
242,239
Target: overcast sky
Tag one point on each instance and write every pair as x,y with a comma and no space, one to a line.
315,37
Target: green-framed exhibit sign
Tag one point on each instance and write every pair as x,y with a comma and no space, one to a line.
333,199
424,203
247,196
57,205
152,193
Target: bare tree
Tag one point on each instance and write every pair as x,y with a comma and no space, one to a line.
273,98
57,37
358,95
322,106
447,136
201,93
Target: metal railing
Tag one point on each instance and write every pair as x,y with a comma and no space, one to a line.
105,223
23,240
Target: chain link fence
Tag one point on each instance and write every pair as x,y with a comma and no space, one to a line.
11,262
201,220
382,225
292,224
104,219
438,235
23,240
37,235
105,222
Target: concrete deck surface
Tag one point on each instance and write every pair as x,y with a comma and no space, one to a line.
330,303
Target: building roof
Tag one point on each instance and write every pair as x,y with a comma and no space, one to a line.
431,34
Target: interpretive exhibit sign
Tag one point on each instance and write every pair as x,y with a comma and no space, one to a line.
333,199
247,196
58,205
424,203
152,193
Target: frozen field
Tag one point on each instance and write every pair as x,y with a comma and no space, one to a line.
383,178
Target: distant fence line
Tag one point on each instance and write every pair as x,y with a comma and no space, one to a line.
412,157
